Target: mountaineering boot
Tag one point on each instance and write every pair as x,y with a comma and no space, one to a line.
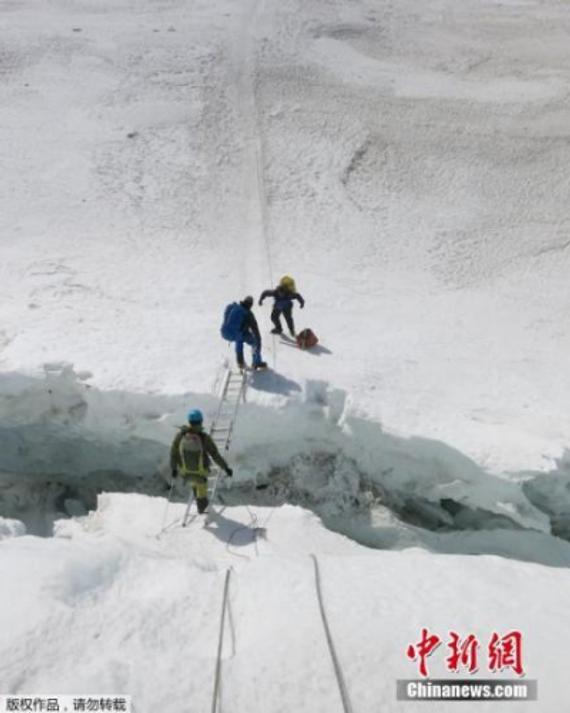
292,333
276,330
260,365
202,504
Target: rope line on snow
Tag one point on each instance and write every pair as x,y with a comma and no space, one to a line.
255,529
261,187
337,668
252,525
218,674
256,143
263,207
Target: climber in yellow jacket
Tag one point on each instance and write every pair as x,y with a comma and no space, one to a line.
191,454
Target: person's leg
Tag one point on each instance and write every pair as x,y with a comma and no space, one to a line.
256,359
201,491
275,318
239,352
288,314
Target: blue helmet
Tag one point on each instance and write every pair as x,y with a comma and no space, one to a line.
195,416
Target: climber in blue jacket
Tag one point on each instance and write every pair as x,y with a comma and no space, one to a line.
240,326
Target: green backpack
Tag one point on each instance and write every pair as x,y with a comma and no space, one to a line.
192,454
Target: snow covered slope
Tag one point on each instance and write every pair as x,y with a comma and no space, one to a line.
106,606
407,163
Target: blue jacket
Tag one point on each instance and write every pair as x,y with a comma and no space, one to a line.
239,320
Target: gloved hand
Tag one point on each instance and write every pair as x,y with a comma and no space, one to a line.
229,472
174,473
260,302
302,305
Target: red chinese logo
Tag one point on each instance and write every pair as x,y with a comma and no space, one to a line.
506,652
464,654
424,648
503,652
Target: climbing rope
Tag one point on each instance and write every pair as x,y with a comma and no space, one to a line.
164,527
263,205
337,669
254,528
218,675
252,525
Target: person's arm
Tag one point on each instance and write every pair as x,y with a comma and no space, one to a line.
298,297
215,454
265,294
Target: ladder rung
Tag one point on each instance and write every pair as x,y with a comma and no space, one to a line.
232,393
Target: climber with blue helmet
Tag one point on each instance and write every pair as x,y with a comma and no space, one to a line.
191,454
